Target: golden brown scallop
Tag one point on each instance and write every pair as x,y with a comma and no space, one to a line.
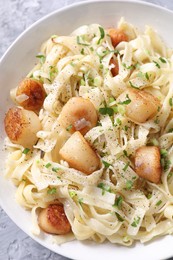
78,114
53,220
79,155
147,163
30,94
142,106
21,126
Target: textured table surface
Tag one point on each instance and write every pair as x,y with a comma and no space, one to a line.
15,17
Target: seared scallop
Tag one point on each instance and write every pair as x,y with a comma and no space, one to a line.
141,105
79,154
147,163
78,114
22,126
30,94
53,220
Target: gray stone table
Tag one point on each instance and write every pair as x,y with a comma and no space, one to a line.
15,17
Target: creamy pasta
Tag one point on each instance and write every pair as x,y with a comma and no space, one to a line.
116,200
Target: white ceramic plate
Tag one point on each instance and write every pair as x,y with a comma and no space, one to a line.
20,58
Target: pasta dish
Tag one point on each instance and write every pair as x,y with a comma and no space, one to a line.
90,135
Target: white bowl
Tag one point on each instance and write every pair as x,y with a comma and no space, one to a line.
20,58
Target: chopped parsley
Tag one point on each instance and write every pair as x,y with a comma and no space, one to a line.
110,51
80,41
162,60
125,102
118,121
102,34
26,151
82,51
129,184
48,165
159,202
80,201
163,153
126,128
53,71
41,57
128,67
135,222
104,187
118,202
68,128
155,142
125,153
51,191
149,195
157,64
106,111
119,217
165,162
106,164
170,102
133,86
170,130
126,166
147,76
111,99
55,169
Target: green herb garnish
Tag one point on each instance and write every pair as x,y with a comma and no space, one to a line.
41,57
118,121
104,187
157,64
82,51
80,41
126,166
80,201
133,86
170,130
102,34
163,153
147,76
68,128
106,164
149,195
106,111
159,202
170,102
26,151
129,184
119,217
125,153
51,191
55,169
135,222
125,102
118,202
162,60
48,165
